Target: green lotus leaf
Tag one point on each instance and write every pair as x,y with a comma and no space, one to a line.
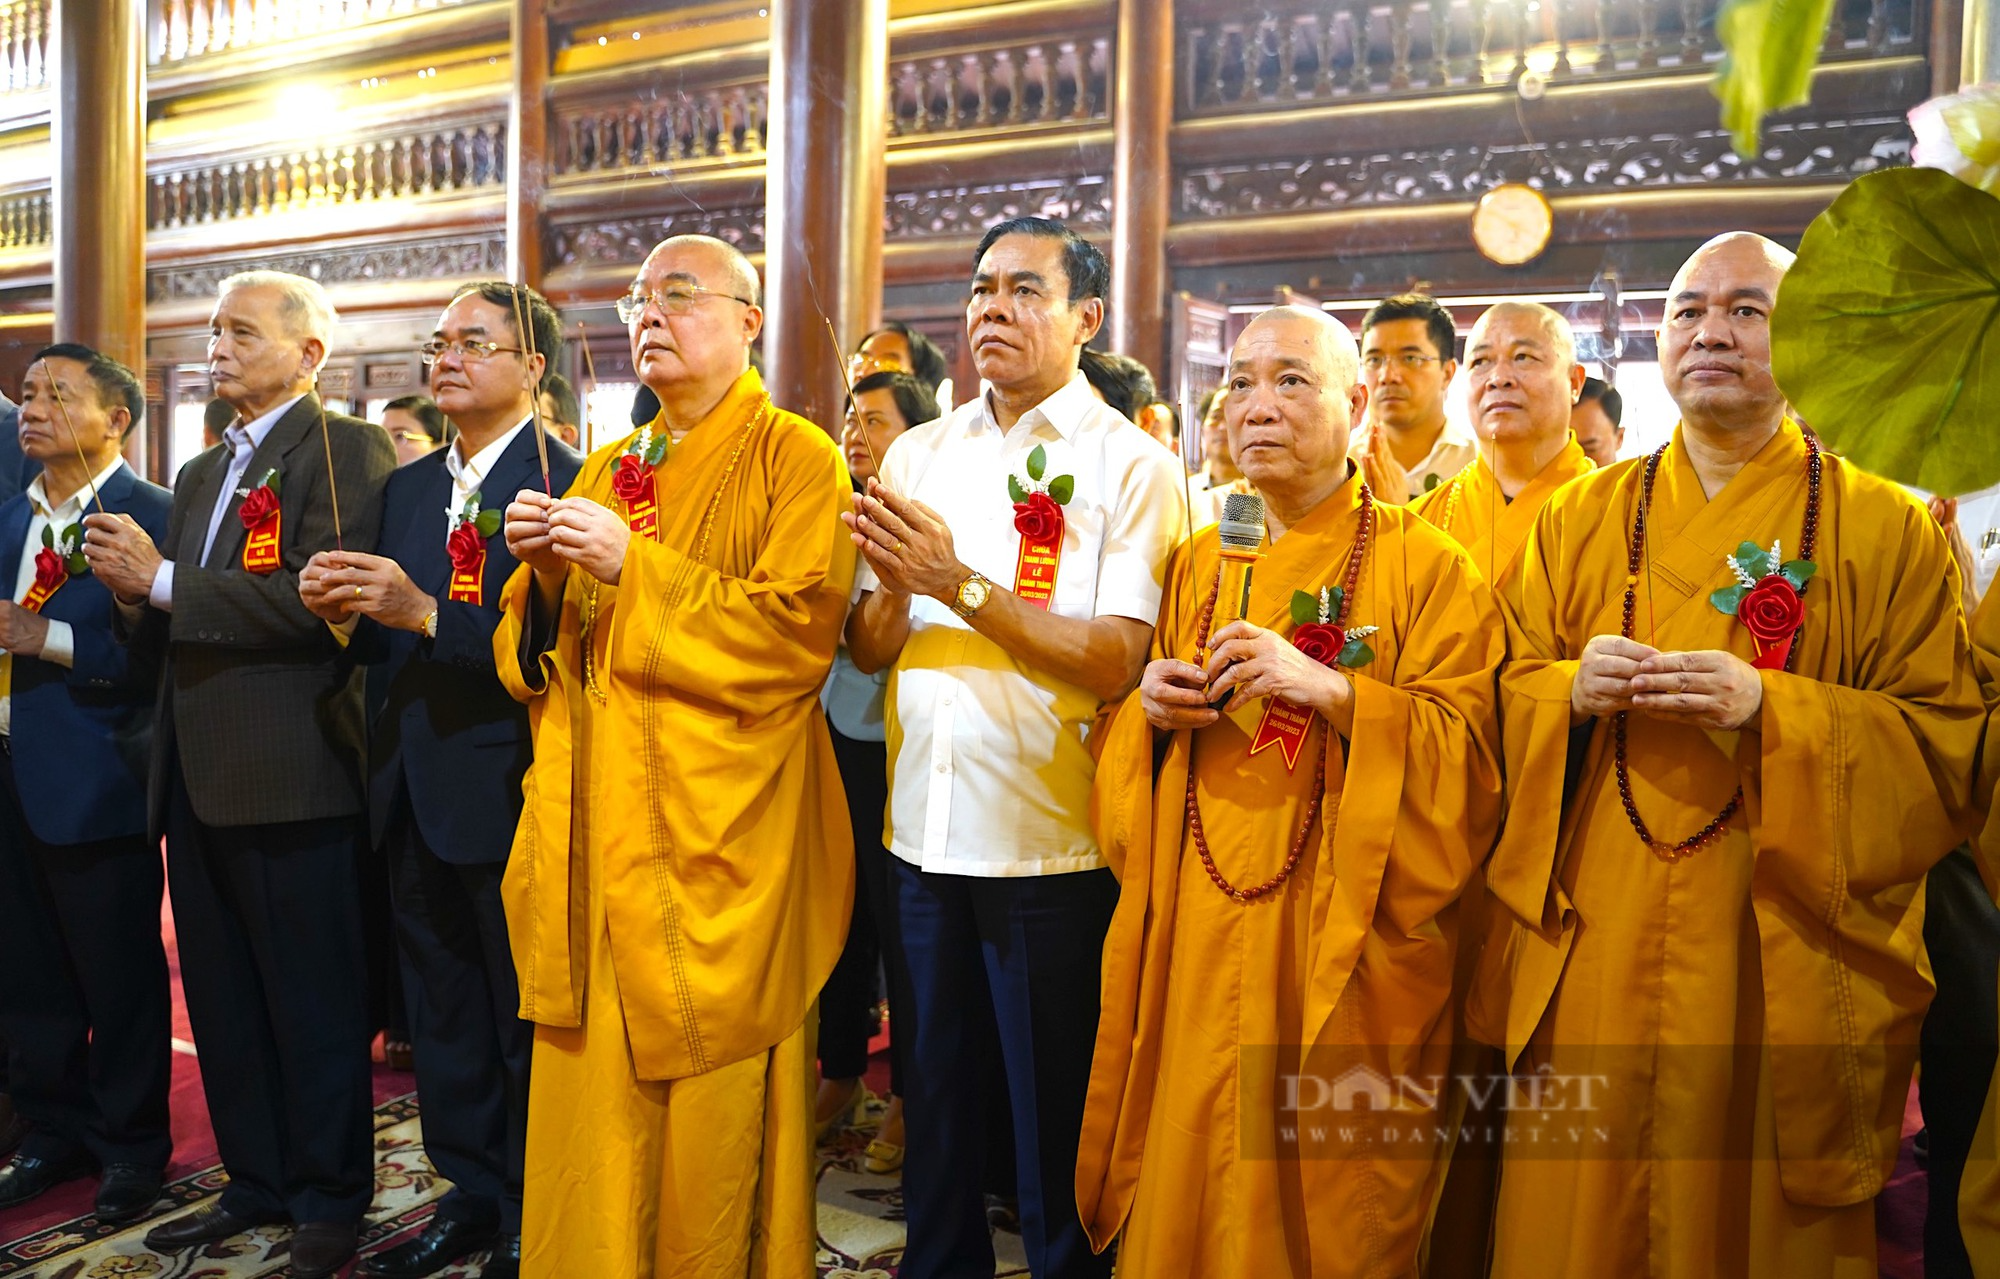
1769,49
1728,598
1062,488
1038,461
1015,491
1305,608
1884,335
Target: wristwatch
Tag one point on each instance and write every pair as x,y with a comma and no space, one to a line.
431,625
972,595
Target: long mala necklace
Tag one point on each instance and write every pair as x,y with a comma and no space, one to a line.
1634,556
1361,539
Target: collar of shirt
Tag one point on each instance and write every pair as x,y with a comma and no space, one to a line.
1063,410
468,474
72,508
244,438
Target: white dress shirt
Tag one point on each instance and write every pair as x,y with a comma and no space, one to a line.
468,475
59,646
989,770
1451,452
243,440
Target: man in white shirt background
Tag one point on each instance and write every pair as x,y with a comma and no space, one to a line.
1410,446
1007,628
83,974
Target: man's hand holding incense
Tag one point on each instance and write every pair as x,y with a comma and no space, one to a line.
121,555
590,536
906,543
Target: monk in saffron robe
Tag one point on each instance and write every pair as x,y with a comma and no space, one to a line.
1297,937
680,884
1719,975
1522,380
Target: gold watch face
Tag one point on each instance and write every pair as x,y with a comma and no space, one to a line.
972,593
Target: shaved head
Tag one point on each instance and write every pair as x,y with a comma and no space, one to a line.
1715,339
1332,343
728,259
1554,327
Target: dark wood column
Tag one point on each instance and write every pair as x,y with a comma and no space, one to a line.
527,140
824,193
1142,88
99,130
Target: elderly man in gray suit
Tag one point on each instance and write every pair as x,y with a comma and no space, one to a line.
257,772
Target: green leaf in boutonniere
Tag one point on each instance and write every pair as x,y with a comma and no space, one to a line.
656,452
270,480
1038,461
1357,652
1062,488
1305,608
1015,491
487,521
1797,572
1726,599
48,537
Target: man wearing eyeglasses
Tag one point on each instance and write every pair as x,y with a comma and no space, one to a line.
1410,447
447,750
682,876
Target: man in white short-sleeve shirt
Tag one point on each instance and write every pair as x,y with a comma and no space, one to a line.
1013,556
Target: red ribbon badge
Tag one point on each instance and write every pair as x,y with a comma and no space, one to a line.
50,574
1039,521
1285,726
632,483
264,519
468,564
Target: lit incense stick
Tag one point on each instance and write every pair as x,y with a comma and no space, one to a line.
535,398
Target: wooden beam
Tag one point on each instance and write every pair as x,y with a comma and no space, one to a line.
527,140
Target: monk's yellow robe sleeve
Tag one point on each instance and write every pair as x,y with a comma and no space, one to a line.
1858,782
1985,637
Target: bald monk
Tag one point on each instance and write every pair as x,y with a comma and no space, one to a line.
1522,380
1295,945
1724,973
681,879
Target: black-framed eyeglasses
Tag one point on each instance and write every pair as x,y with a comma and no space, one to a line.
436,349
678,300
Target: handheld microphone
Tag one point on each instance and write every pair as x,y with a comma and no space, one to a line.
1241,533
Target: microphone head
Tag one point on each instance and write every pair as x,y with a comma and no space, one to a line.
1242,525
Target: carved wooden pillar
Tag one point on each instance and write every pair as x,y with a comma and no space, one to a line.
99,130
824,195
527,140
1981,51
1142,88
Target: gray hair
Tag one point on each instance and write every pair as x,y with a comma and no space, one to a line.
302,303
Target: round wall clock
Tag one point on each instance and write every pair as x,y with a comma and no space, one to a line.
1512,224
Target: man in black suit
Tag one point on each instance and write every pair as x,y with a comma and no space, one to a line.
448,751
83,976
257,773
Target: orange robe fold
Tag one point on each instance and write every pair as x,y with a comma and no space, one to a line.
1979,1190
684,826
1209,1005
1753,1008
1470,507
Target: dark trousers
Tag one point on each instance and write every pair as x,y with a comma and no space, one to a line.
84,1002
1007,970
269,924
1959,1043
472,1048
847,1002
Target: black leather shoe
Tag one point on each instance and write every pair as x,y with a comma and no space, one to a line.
321,1247
209,1223
441,1243
25,1177
127,1192
505,1262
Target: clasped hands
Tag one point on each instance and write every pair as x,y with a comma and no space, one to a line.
1707,688
906,543
338,585
1245,662
549,534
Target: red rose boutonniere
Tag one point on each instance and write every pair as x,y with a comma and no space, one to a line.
467,548
1768,599
632,480
263,517
1038,518
60,559
1317,632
